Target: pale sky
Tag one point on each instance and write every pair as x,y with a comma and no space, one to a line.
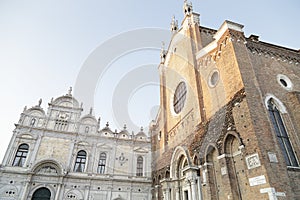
44,46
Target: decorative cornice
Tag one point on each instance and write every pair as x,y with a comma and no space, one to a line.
270,51
214,49
228,25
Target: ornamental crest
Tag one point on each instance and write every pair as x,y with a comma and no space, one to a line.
122,159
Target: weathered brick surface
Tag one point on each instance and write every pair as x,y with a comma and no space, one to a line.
237,123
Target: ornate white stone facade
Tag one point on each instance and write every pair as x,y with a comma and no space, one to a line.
70,157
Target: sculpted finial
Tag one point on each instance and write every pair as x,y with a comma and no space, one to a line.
163,53
40,103
70,91
174,24
187,8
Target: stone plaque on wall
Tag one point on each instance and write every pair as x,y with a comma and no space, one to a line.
258,180
223,170
272,157
252,161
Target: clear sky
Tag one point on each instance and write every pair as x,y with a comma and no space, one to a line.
44,45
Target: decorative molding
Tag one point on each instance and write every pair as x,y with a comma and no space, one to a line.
122,159
181,125
228,25
47,170
213,50
253,161
276,53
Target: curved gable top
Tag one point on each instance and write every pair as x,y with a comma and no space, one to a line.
124,134
83,143
26,136
141,135
35,111
89,119
66,101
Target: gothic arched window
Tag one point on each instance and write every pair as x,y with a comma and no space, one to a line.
102,162
281,133
80,161
139,166
21,155
212,175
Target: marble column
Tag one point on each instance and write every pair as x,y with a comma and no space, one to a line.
194,189
25,191
168,194
86,192
190,192
177,193
165,194
58,192
199,188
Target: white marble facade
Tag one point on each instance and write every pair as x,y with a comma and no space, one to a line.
64,155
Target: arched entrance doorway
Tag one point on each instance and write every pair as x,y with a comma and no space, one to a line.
41,194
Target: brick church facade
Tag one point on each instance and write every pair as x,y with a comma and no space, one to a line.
228,125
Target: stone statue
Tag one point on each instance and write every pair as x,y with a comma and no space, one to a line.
70,91
40,103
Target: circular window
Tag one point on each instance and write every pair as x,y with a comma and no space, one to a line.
284,81
213,78
179,97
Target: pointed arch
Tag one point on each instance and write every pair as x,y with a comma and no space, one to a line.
175,160
213,167
228,137
167,174
196,160
280,106
235,164
209,148
275,109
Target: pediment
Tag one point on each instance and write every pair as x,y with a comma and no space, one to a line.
82,143
26,136
104,146
141,150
